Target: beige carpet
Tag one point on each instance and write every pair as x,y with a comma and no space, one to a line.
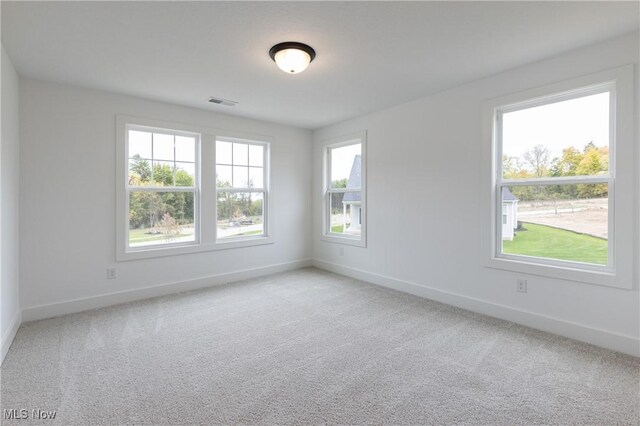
309,347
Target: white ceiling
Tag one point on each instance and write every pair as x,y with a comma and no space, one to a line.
370,55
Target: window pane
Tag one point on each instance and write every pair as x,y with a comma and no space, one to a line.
563,222
224,178
256,177
240,177
240,154
185,149
157,218
163,147
346,166
139,144
185,174
565,138
345,213
240,214
163,173
223,152
256,154
139,172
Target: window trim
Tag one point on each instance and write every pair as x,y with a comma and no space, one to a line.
327,145
620,270
266,236
205,209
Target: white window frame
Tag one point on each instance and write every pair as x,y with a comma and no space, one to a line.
265,237
619,272
205,207
327,146
193,189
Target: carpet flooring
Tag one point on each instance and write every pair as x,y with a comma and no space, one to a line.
309,347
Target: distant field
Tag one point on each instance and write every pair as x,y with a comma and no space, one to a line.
553,243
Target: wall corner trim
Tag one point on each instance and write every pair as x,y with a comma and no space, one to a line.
626,344
8,337
34,313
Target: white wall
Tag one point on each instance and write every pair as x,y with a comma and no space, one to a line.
67,228
9,167
425,212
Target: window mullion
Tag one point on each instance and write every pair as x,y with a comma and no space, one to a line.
343,190
162,188
568,180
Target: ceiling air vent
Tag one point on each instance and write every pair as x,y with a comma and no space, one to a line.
220,101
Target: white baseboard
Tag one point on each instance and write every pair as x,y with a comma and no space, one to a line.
9,335
617,342
34,313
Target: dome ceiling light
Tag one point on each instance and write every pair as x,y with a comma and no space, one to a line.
292,57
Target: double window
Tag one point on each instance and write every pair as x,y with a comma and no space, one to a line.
183,189
344,190
557,169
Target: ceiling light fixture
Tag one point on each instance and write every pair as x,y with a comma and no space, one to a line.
292,57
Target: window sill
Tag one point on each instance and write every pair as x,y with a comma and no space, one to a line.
242,242
337,239
159,251
177,250
596,276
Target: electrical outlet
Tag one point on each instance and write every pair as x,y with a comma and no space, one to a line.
522,285
341,251
111,273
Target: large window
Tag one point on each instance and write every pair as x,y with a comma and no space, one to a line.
344,191
186,189
556,181
241,189
162,187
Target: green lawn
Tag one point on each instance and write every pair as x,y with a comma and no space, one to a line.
141,236
553,243
337,229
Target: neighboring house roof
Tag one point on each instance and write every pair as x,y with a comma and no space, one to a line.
354,181
507,195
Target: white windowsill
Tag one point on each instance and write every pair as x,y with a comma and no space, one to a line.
338,239
229,243
597,276
189,248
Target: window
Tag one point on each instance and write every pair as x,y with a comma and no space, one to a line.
344,191
555,178
557,170
162,187
186,189
241,189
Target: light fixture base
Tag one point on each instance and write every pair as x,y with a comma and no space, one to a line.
292,45
292,57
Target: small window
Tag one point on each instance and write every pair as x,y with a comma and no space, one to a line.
162,187
241,190
345,176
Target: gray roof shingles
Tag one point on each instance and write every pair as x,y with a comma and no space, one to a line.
507,195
